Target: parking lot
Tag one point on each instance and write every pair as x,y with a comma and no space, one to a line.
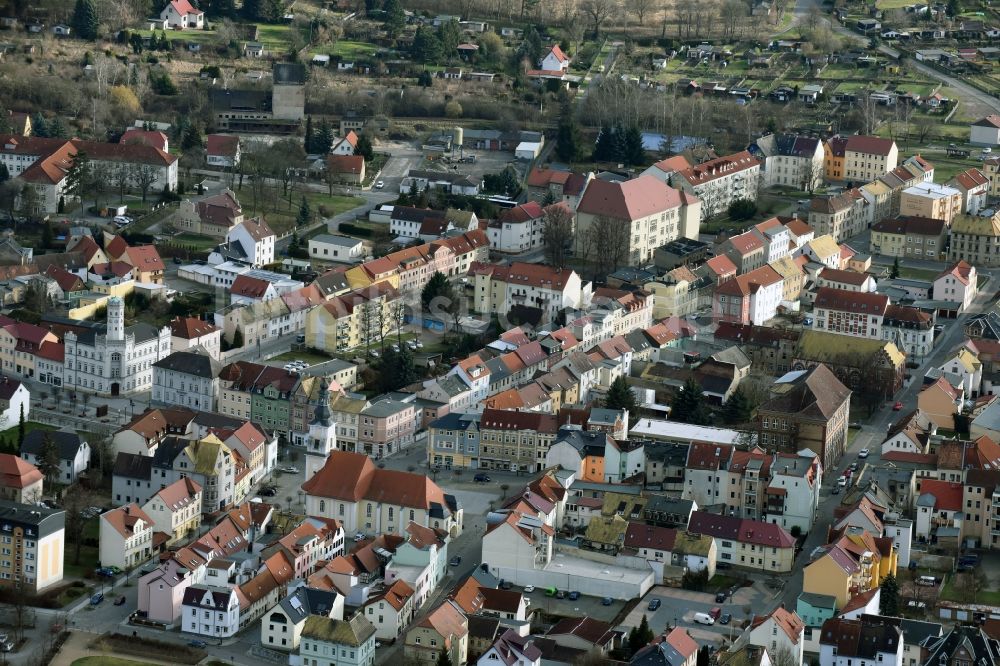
677,608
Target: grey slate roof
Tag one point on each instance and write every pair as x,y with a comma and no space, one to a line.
194,363
68,443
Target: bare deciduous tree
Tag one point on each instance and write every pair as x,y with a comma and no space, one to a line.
143,176
557,234
598,12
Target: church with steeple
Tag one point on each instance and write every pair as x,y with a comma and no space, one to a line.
322,432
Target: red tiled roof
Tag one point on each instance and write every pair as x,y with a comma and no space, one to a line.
353,164
558,53
221,145
972,179
948,495
183,7
638,535
748,283
851,301
190,328
17,473
721,265
251,287
718,168
496,419
629,200
153,138
843,277
789,622
746,243
869,145
145,258
703,455
540,177
743,530
960,269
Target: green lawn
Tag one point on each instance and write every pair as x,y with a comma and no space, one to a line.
345,49
12,433
308,357
917,273
334,204
274,37
184,36
721,582
953,592
89,557
108,661
197,240
892,4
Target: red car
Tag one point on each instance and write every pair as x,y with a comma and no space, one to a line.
897,407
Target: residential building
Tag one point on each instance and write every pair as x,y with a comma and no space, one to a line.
515,440
808,409
654,212
792,493
386,426
340,249
118,361
586,634
329,642
15,401
748,251
751,298
500,288
776,236
211,611
866,641
349,169
985,132
188,332
251,241
868,157
180,14
359,317
964,642
421,561
850,313
910,329
975,239
126,537
958,284
34,543
823,250
676,648
212,216
941,401
747,543
790,160
853,563
845,280
917,237
391,611
840,216
554,60
363,497
222,150
187,379
974,186
780,631
445,629
514,649
519,229
281,629
20,481
932,200
73,453
719,182
175,510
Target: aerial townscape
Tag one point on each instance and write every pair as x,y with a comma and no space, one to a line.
468,333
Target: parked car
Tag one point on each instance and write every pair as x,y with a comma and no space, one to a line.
715,613
897,407
197,644
573,596
360,536
606,601
120,601
455,561
560,594
654,604
97,599
720,597
863,453
529,588
842,481
6,646
726,618
481,478
379,185
836,491
290,470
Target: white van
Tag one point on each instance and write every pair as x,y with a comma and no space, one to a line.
703,618
927,581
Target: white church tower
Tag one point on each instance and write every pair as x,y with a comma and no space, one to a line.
116,318
322,433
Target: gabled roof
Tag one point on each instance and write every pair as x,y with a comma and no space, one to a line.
718,168
788,621
222,145
126,518
585,628
851,301
870,145
743,530
190,328
17,473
